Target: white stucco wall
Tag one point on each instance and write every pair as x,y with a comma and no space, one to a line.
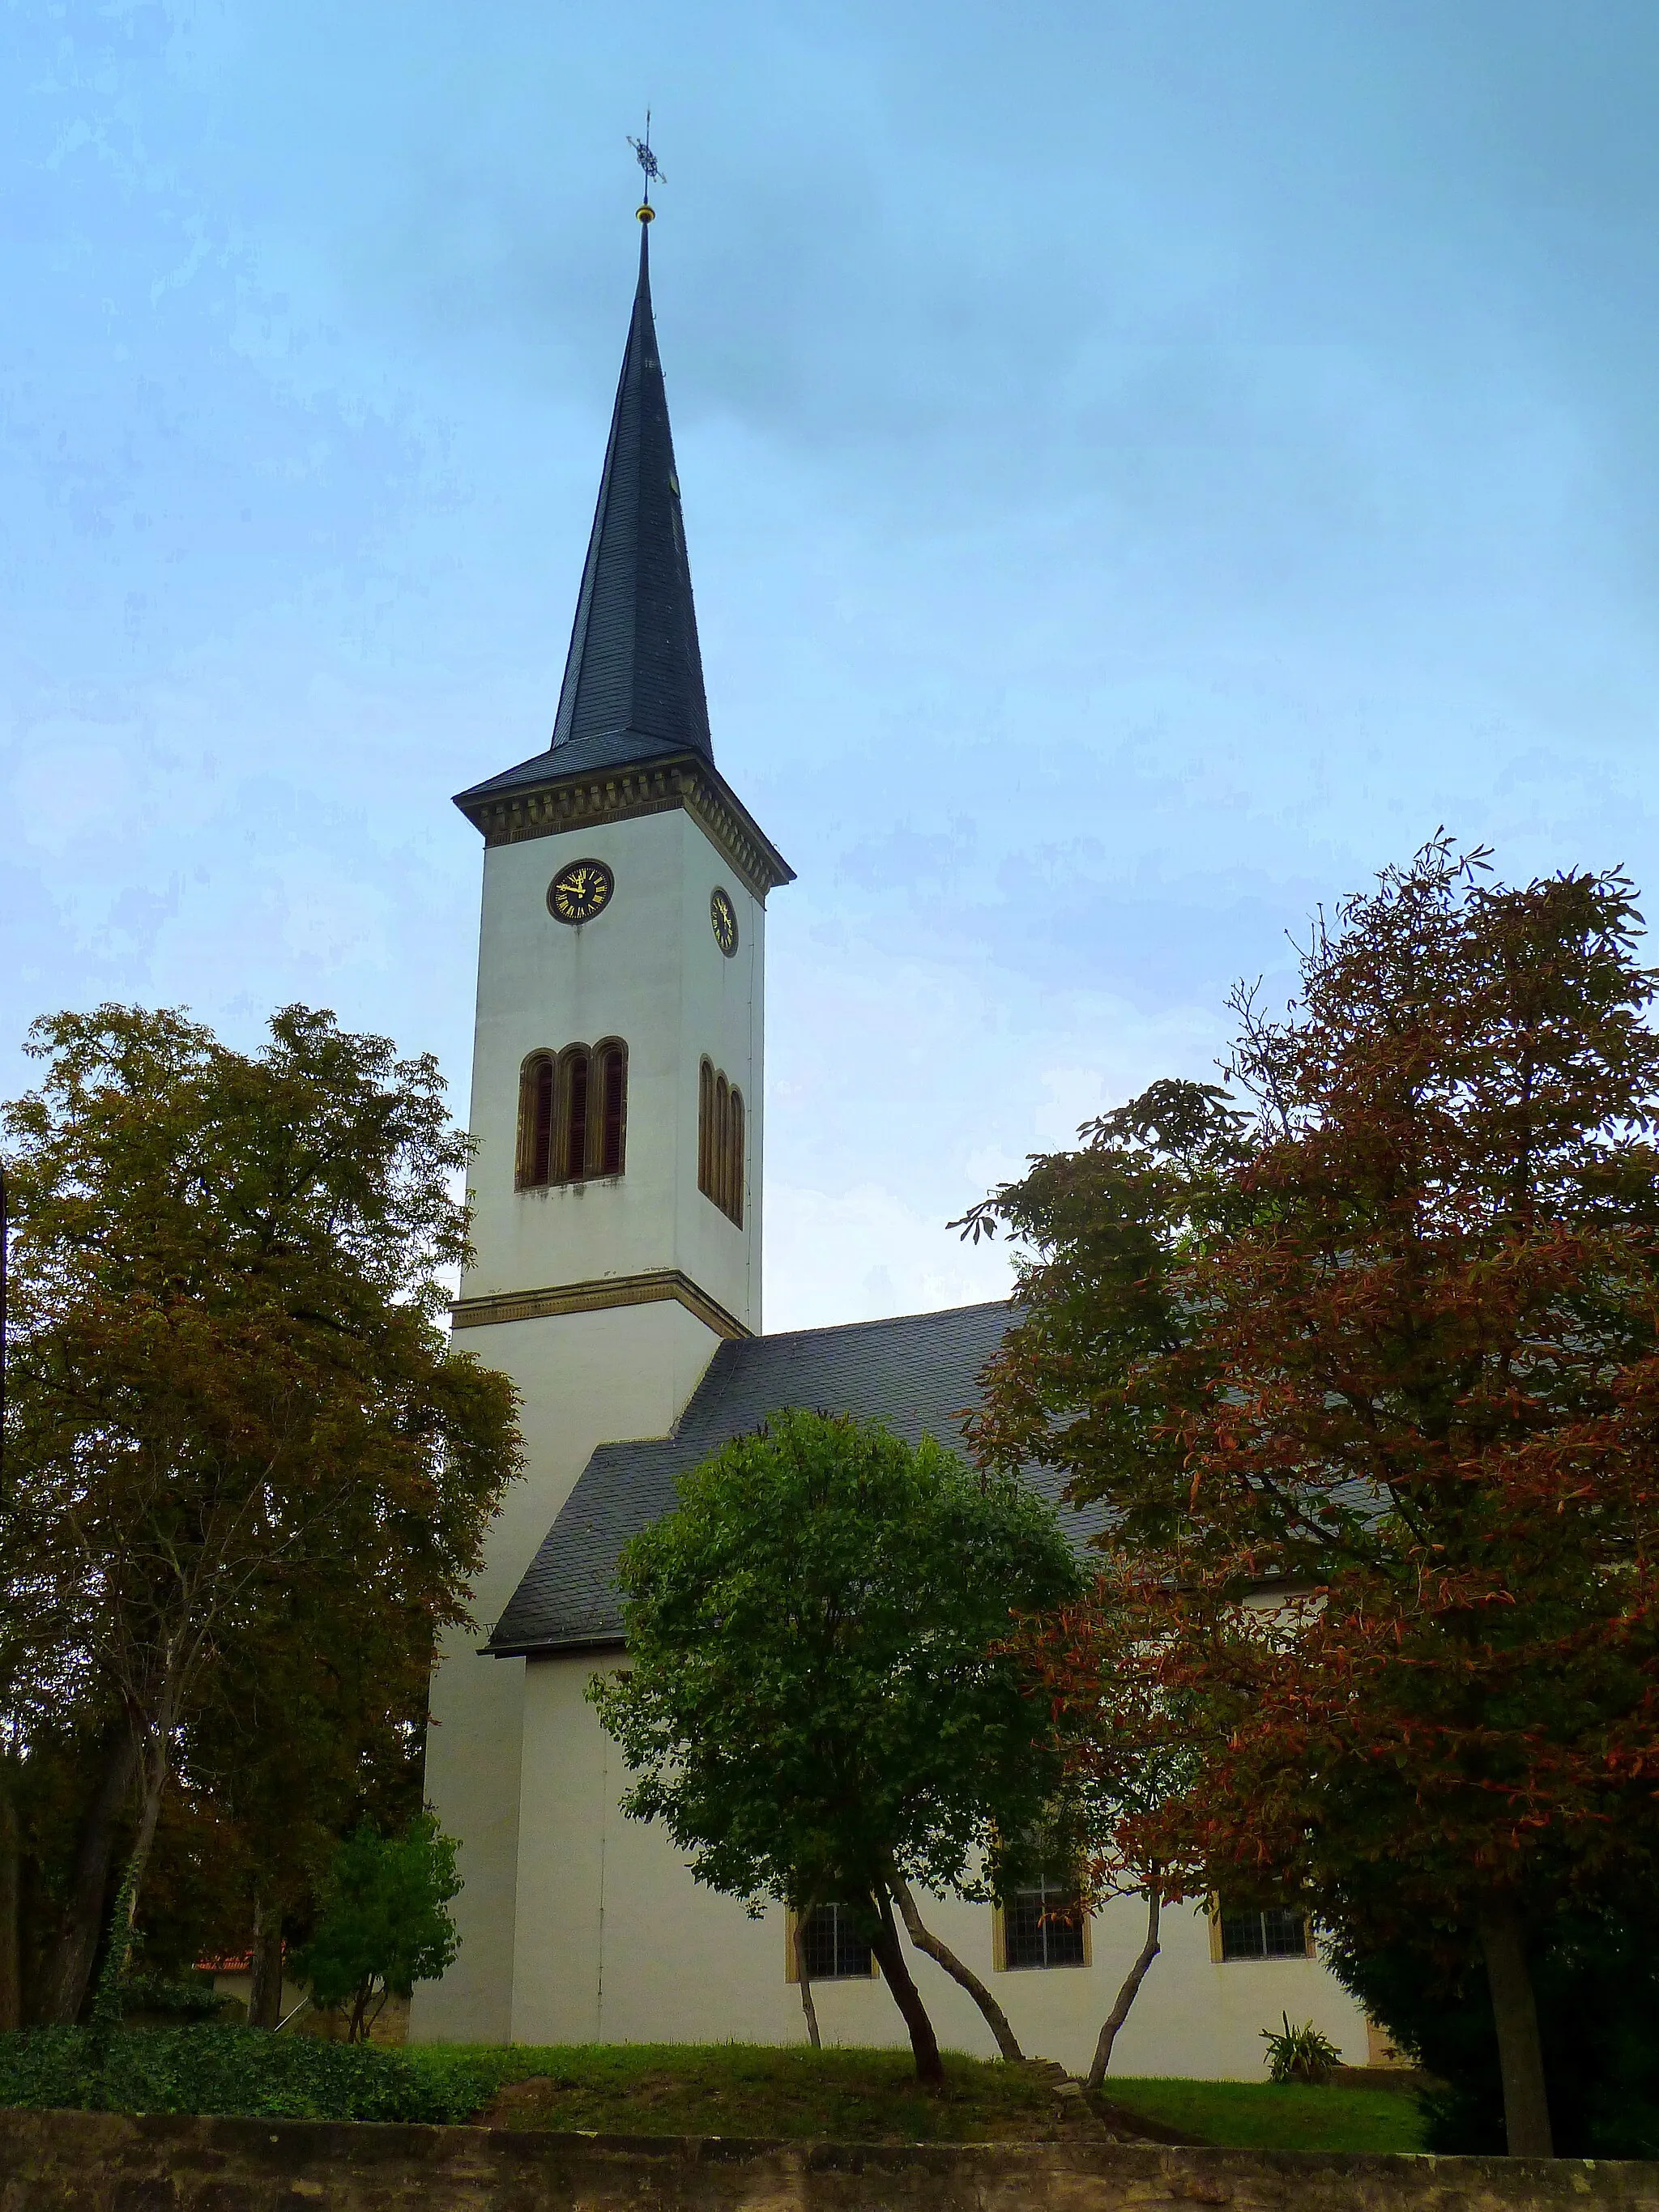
615,1943
646,969
584,1379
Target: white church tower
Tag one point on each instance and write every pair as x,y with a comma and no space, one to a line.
616,1105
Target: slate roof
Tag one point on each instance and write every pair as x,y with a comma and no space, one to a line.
634,666
919,1374
607,749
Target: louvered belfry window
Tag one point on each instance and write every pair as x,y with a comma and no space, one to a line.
573,1115
721,1153
574,1151
612,1063
536,1120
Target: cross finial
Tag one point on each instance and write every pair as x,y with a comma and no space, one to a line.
647,161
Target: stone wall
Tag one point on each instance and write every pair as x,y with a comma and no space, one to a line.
99,2163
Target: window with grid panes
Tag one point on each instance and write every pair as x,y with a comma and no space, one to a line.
835,1950
1042,1925
1276,1933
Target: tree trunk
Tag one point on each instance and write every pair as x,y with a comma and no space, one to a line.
804,1973
11,1855
889,1956
1515,2015
264,1996
68,1969
1128,1994
924,1940
157,1769
106,2006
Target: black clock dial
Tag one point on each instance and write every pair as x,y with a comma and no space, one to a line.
723,920
577,893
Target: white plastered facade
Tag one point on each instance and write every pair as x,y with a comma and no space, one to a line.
646,969
618,1944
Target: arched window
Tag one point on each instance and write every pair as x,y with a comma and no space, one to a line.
721,1160
573,1114
536,1083
575,1067
612,1062
735,1159
706,1129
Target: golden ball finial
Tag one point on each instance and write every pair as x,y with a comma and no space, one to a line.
646,214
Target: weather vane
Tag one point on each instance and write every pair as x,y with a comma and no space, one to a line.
647,161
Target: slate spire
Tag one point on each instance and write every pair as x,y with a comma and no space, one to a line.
634,667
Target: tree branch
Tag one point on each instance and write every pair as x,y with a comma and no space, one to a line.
941,1953
1130,1991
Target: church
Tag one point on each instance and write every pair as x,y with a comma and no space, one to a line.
618,1107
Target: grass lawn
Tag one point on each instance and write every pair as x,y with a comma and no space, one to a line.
870,2096
1266,2115
759,2089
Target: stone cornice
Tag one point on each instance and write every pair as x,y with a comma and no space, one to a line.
596,1296
550,808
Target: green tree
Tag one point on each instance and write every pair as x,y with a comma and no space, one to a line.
1392,1359
818,1702
383,1921
235,1428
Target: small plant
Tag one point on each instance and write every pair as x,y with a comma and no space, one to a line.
1300,2054
384,1923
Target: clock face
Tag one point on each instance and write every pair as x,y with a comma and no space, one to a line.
723,920
577,893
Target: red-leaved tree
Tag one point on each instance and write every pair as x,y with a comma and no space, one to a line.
1371,1377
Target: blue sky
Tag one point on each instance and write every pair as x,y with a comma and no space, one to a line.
1147,463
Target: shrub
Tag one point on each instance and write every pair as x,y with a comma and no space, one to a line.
239,2072
158,1995
1596,1974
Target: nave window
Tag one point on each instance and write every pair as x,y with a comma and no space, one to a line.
1042,1924
835,1951
1277,1932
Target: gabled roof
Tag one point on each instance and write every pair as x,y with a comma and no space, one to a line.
919,1374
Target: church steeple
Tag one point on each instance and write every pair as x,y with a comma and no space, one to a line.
634,668
631,734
